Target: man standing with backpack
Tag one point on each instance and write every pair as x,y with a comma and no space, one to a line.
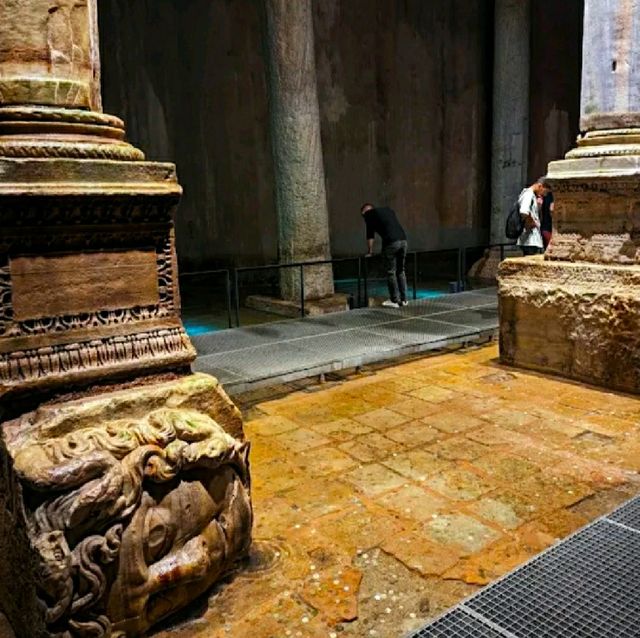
530,239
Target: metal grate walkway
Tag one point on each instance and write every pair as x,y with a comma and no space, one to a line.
246,358
586,586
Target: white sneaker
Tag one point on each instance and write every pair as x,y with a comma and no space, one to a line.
404,303
390,304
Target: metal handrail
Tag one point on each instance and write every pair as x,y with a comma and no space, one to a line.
363,274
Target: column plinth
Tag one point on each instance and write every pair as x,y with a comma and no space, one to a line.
575,311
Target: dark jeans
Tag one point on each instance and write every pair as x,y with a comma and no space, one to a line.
394,257
531,250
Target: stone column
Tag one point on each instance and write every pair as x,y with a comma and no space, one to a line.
121,473
50,57
303,218
577,312
510,146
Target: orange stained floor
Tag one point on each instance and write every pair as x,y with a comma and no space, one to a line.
386,497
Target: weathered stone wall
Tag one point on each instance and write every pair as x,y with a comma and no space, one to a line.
404,90
190,79
556,60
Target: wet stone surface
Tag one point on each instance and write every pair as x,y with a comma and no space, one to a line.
384,498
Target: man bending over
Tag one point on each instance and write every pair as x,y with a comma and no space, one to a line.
394,250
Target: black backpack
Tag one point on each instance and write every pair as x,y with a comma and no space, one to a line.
515,223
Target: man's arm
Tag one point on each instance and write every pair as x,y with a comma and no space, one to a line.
528,200
371,234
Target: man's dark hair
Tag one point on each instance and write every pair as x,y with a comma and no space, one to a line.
365,205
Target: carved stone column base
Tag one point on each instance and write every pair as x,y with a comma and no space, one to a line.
597,193
120,508
578,320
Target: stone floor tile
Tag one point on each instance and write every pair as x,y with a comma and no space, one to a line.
452,422
413,434
414,408
497,512
506,468
395,600
412,502
374,479
609,425
276,517
499,559
349,408
268,478
536,495
270,425
324,460
334,594
381,397
490,435
382,419
433,394
459,484
418,551
403,384
360,528
509,418
265,449
302,439
342,429
417,465
458,448
315,498
460,530
285,616
371,447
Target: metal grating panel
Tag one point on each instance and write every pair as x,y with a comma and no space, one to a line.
356,318
491,291
417,331
628,514
263,362
585,587
425,307
252,336
339,345
457,624
483,318
466,300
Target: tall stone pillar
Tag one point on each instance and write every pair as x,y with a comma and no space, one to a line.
577,312
301,201
124,485
510,145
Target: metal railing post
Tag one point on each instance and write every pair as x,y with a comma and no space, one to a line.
415,276
463,280
302,291
459,277
359,298
366,281
236,289
227,287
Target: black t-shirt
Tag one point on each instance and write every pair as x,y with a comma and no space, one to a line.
384,222
546,221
